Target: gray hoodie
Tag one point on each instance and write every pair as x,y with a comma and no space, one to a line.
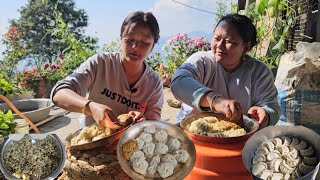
102,79
252,84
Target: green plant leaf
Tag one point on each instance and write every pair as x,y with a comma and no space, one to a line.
262,7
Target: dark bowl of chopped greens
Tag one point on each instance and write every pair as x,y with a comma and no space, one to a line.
20,159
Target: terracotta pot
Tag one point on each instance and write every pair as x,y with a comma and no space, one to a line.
38,87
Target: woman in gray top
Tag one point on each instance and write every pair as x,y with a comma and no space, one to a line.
110,84
226,79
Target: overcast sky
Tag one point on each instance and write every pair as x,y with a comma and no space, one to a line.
106,16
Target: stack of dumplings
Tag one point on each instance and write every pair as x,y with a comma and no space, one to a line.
158,153
284,158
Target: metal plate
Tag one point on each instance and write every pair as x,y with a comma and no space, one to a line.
17,137
250,125
181,171
99,143
270,132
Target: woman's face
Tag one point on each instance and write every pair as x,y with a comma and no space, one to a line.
228,46
136,43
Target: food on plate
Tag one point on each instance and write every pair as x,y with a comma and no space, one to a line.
161,148
160,155
95,132
150,129
182,156
161,135
148,149
165,169
154,164
125,119
25,160
174,144
92,133
211,126
146,137
284,158
140,166
137,155
129,148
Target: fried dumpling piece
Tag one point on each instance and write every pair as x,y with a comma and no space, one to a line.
100,136
129,148
235,132
210,119
222,126
199,126
125,119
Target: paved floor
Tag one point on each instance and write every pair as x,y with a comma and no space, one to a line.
69,123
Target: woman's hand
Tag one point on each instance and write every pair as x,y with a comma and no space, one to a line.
103,115
137,116
259,114
230,108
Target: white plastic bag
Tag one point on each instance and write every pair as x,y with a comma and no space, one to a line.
298,85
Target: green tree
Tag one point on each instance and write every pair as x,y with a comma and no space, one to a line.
35,19
225,7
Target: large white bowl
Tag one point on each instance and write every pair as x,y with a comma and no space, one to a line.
35,109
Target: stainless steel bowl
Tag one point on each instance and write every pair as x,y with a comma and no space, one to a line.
17,137
179,173
249,124
35,109
277,131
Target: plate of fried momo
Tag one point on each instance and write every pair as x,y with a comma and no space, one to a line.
216,128
156,150
94,136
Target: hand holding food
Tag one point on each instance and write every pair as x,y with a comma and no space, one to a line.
231,108
259,114
103,115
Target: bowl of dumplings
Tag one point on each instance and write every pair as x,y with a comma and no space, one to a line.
94,136
156,150
283,152
216,128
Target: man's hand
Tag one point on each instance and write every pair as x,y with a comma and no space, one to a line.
230,108
259,114
103,115
137,116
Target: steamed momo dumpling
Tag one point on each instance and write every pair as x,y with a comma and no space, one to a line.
169,158
146,137
161,148
161,135
182,156
137,155
165,169
174,144
140,166
150,129
154,164
148,149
